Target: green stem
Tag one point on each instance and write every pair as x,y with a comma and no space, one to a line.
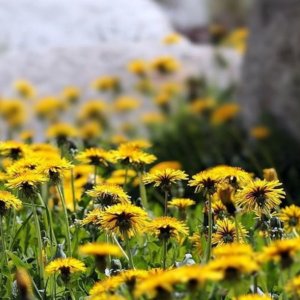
164,253
236,228
73,190
143,192
68,235
255,283
121,248
166,203
128,250
209,241
48,223
3,239
40,246
95,175
126,178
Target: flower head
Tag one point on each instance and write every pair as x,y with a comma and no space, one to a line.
164,178
124,220
181,203
25,89
260,196
8,201
226,232
65,266
167,227
293,286
108,194
290,216
165,64
94,156
225,113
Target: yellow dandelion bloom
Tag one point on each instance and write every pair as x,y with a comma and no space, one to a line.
225,113
133,277
54,168
13,149
92,217
128,153
126,103
172,164
71,94
27,182
181,203
25,88
164,178
124,220
100,249
8,201
109,194
65,266
260,132
201,106
49,108
152,118
172,38
282,251
90,130
61,131
233,267
195,239
205,181
290,216
106,83
108,285
165,64
270,174
167,227
233,249
138,67
254,297
27,135
24,284
260,196
293,286
226,232
94,156
93,109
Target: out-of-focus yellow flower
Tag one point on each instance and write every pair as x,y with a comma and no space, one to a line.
27,135
95,157
49,108
13,112
118,139
24,284
90,130
65,266
225,113
270,174
181,203
144,86
71,94
61,131
153,118
260,132
25,89
14,149
283,251
172,38
238,39
138,67
254,297
172,164
217,32
165,64
162,99
8,201
106,83
92,217
290,216
293,286
93,109
126,103
196,241
100,249
201,106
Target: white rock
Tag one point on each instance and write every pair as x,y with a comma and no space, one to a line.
42,24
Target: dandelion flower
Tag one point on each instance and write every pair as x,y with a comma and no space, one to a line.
65,266
24,284
181,203
124,220
8,201
260,196
108,194
167,227
290,216
164,178
293,286
94,156
225,113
